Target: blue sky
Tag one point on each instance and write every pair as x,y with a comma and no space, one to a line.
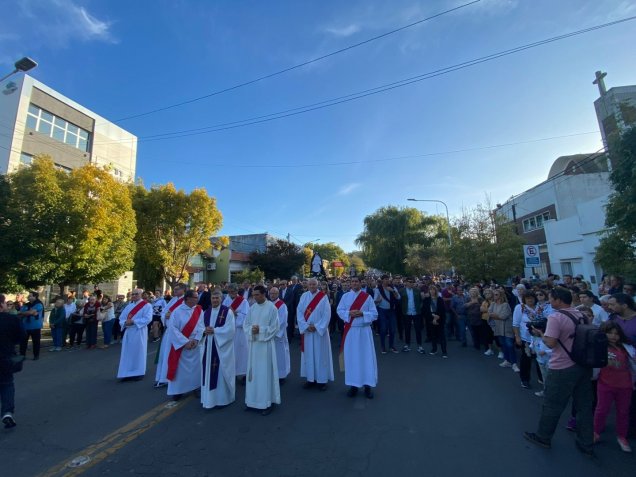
286,176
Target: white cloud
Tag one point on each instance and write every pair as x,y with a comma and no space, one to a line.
348,188
50,24
343,31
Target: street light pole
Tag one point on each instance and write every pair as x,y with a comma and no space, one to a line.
23,64
450,240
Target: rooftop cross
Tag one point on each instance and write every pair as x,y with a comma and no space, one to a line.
599,81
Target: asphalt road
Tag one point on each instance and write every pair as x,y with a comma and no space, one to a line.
430,416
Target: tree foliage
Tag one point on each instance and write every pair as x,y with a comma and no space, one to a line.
355,259
172,227
281,259
253,276
390,230
64,228
486,246
432,259
617,250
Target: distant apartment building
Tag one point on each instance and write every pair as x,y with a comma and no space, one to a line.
36,119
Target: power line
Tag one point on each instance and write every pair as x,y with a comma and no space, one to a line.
300,65
369,92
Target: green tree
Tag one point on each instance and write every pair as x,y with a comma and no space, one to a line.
355,259
65,228
281,259
617,249
485,245
431,259
252,276
332,252
388,232
172,227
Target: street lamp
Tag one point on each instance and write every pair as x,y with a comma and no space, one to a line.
450,241
23,64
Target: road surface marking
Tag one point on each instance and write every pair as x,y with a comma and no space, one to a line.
113,442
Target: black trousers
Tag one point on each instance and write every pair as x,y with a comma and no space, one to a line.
91,333
525,364
438,335
77,333
416,321
399,321
117,330
291,324
36,336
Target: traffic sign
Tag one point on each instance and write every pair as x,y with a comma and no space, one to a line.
531,255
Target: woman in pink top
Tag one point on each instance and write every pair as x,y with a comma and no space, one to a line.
615,384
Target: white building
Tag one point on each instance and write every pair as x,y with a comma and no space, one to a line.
36,119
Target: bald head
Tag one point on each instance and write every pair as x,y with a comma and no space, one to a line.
274,293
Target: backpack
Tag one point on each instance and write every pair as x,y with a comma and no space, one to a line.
589,348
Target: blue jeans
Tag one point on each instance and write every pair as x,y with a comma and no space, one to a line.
57,334
386,319
508,349
7,393
107,329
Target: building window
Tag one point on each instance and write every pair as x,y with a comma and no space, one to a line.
536,222
566,268
62,168
57,128
26,159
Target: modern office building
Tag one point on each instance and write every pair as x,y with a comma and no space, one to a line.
36,119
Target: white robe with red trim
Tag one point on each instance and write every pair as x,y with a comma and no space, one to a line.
240,341
316,362
134,344
188,377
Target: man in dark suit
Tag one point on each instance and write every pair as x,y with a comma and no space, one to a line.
205,299
291,298
11,334
411,307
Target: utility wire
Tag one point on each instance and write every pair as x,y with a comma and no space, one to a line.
300,65
371,91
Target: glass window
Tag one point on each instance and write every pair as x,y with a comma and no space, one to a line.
31,121
44,128
546,216
58,133
26,158
72,128
34,110
60,122
71,139
532,222
82,145
83,134
539,221
47,116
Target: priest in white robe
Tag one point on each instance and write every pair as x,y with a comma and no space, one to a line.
280,340
261,324
313,315
184,361
134,346
161,372
218,379
239,307
358,311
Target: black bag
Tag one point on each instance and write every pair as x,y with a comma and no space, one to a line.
589,348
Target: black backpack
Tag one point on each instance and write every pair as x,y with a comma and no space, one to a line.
589,348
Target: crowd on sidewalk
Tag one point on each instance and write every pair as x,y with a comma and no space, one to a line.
511,323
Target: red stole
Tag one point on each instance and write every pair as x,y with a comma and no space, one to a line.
355,306
175,354
175,305
136,309
310,309
278,303
236,303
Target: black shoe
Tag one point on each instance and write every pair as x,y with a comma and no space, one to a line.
368,392
281,381
136,378
8,421
266,412
525,385
323,387
352,391
308,384
177,397
535,439
584,450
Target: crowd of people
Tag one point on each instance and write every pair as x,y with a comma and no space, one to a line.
217,335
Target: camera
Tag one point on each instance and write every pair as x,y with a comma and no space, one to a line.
539,324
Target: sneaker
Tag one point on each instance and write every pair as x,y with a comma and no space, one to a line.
433,353
52,349
540,393
505,364
571,425
535,439
489,353
8,420
516,369
525,385
540,381
420,350
500,355
393,350
406,349
383,351
623,444
444,356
